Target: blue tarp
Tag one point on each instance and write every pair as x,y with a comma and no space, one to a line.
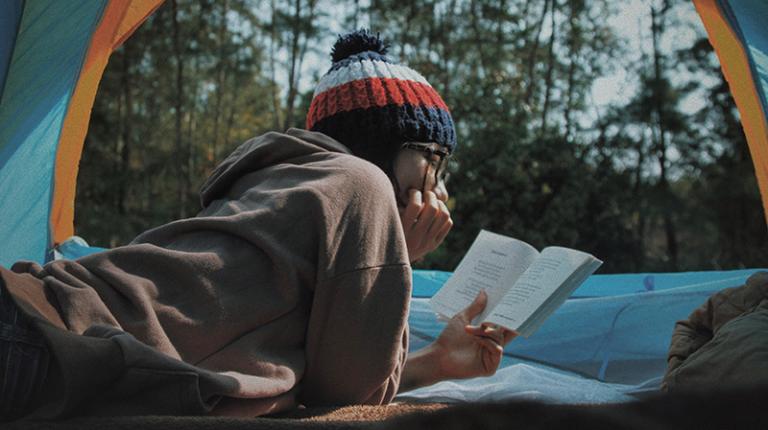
607,342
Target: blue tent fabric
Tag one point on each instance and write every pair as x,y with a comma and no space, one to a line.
40,79
748,18
10,18
607,343
74,248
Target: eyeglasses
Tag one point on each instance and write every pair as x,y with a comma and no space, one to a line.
440,165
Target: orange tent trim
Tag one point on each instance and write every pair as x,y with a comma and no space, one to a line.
120,20
735,64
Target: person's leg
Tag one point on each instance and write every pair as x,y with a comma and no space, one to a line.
24,360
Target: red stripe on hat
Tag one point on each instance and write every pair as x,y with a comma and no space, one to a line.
393,92
379,94
372,92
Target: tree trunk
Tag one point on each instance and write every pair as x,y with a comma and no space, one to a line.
406,27
657,27
532,53
550,71
125,121
637,193
220,79
294,60
477,37
445,74
181,191
273,77
233,103
302,54
573,49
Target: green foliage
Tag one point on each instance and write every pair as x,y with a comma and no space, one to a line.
644,185
166,112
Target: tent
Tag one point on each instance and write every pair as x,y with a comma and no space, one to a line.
736,30
52,56
606,343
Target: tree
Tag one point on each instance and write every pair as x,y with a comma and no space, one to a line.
183,90
643,184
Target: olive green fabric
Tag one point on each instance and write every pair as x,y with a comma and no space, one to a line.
724,342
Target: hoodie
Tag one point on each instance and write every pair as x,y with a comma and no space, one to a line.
290,287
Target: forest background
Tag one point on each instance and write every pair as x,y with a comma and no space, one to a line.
645,182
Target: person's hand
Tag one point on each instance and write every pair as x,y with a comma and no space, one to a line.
467,351
426,221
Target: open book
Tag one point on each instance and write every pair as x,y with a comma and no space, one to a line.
524,286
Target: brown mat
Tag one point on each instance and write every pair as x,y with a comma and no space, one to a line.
739,408
362,412
341,418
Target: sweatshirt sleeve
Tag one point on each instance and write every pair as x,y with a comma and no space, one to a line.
357,337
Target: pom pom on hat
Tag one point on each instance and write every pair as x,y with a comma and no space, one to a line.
373,105
354,43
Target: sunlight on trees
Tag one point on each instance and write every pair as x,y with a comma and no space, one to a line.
643,184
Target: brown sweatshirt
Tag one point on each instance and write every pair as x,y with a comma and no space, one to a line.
291,286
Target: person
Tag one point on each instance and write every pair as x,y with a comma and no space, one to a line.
290,287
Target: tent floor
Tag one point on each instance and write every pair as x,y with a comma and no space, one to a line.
742,408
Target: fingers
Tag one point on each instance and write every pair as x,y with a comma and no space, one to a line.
491,349
433,217
498,334
475,308
426,222
490,355
429,210
442,224
425,214
494,332
508,335
412,212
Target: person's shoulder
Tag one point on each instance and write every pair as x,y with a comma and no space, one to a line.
361,174
354,188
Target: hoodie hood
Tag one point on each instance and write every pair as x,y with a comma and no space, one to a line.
265,151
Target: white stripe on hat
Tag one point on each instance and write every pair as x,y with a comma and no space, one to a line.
367,69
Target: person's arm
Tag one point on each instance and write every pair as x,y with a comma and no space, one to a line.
461,351
356,342
420,369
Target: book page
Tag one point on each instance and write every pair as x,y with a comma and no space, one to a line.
562,294
553,267
493,263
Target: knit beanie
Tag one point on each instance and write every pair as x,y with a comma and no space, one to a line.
373,105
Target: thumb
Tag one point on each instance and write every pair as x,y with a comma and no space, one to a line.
476,308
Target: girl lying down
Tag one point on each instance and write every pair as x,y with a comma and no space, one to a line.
290,287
